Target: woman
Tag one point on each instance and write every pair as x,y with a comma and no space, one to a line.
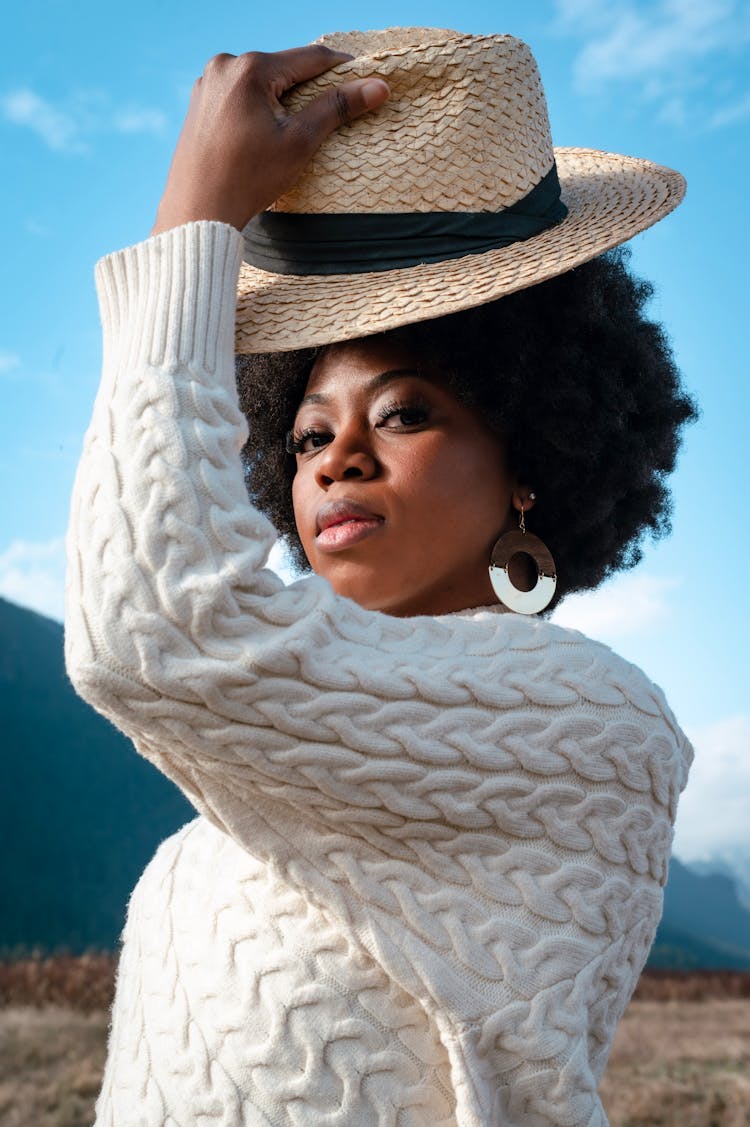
433,832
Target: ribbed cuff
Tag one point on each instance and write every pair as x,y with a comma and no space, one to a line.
171,299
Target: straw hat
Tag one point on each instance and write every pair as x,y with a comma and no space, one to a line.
444,198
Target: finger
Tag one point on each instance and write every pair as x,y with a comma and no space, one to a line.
213,66
217,62
300,63
337,106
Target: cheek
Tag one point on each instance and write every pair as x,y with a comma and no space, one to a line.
299,497
469,480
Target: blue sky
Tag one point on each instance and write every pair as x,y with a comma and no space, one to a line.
91,101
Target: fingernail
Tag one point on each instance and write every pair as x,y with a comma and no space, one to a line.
372,91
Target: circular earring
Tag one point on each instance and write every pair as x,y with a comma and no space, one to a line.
510,544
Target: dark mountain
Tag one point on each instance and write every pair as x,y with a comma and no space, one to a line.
735,865
679,950
704,924
81,812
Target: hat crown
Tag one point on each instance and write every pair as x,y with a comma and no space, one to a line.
465,129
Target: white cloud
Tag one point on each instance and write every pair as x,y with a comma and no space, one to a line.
730,114
56,127
641,42
663,50
8,362
628,604
674,112
67,127
34,227
714,813
32,574
139,121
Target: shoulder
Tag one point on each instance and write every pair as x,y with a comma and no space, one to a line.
555,665
177,873
617,680
615,690
565,671
593,669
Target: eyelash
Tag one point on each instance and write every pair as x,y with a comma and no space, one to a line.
396,407
295,440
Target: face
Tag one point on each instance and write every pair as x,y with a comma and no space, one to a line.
400,489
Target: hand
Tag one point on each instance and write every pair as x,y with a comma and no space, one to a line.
239,148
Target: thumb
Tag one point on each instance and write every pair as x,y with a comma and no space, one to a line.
339,105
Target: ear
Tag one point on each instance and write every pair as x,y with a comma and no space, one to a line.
524,498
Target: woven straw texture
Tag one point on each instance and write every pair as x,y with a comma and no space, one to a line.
465,130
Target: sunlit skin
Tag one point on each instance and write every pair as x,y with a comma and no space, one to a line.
427,479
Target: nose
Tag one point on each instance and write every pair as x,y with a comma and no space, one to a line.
347,456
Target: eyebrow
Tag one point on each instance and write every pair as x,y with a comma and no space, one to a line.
372,385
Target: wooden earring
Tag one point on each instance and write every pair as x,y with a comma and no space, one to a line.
507,546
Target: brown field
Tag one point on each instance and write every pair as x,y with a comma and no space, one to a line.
680,1064
79,982
681,1057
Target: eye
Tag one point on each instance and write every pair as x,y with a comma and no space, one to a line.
306,441
395,416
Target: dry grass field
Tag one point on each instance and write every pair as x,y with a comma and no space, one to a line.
51,1063
681,1064
681,1057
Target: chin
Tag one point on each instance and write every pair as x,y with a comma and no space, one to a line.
369,597
362,586
393,602
366,599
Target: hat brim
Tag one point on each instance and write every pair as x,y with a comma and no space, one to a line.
610,198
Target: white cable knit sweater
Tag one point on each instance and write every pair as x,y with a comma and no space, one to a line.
430,860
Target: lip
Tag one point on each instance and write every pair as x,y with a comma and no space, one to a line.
341,523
